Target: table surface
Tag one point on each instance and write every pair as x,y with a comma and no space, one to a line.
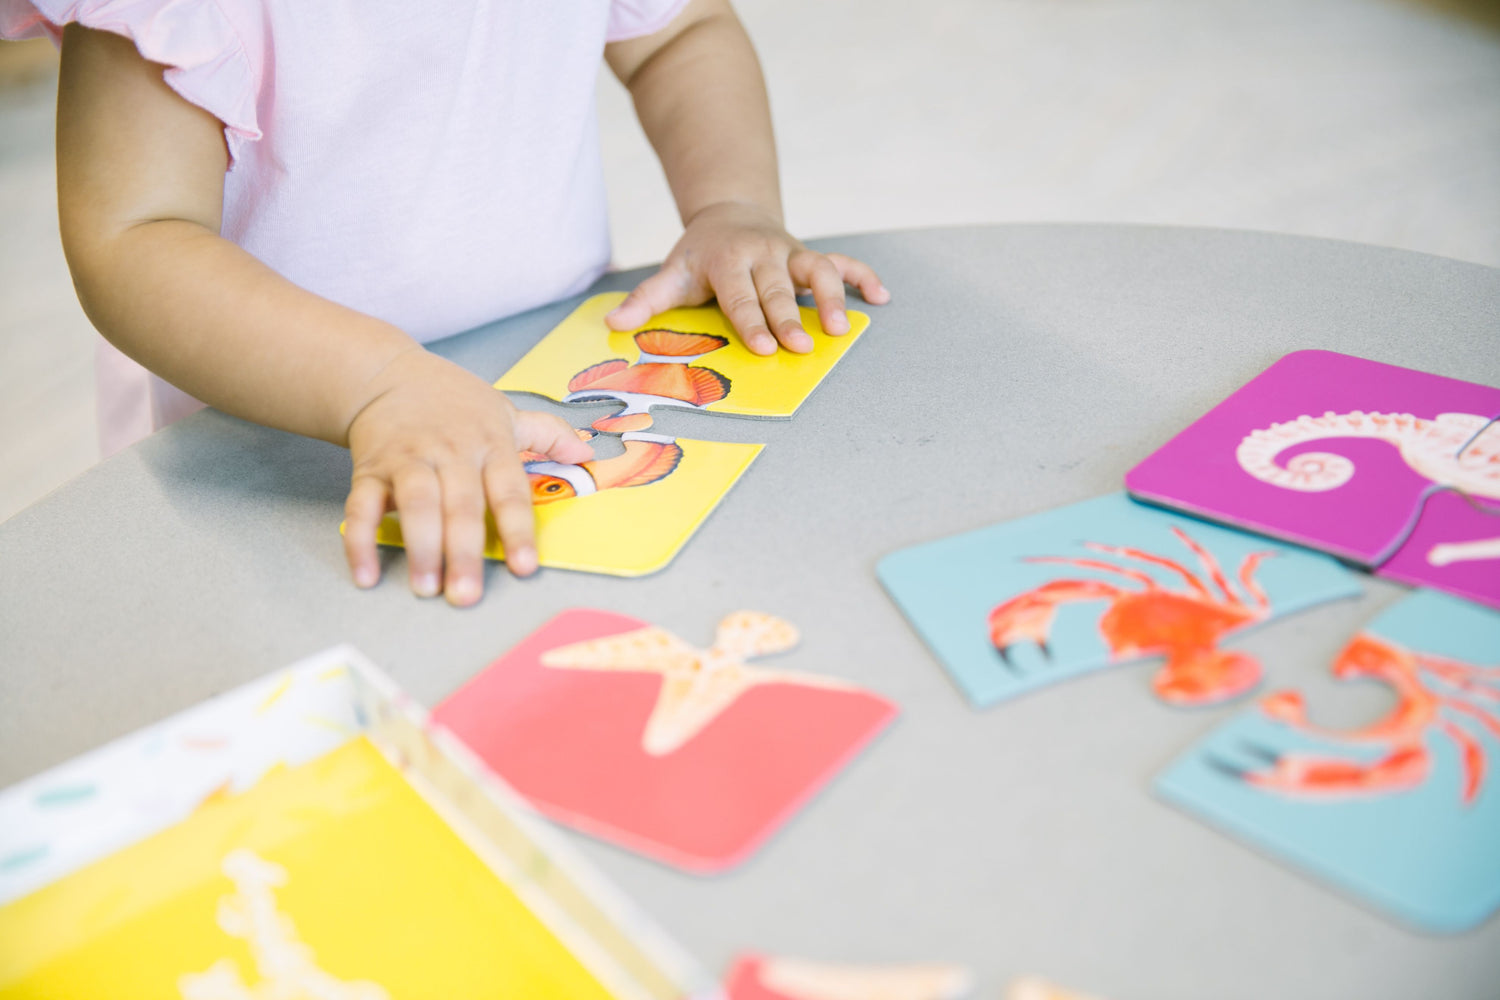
1018,368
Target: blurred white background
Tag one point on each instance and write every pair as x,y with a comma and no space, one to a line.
1369,120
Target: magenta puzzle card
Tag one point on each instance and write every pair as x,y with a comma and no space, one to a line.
1394,469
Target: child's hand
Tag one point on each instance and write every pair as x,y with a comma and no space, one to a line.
741,254
438,443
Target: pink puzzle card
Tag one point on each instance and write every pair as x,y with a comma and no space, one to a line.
1394,469
691,756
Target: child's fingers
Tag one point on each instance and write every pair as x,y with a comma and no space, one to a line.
463,533
814,271
668,288
368,496
419,499
778,302
741,303
551,436
861,276
509,494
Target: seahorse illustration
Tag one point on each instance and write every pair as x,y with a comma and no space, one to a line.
1457,450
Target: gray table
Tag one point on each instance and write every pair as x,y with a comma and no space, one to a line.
1018,368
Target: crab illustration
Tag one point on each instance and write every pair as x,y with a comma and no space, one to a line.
1184,624
1432,693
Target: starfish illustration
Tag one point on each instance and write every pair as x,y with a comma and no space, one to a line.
697,684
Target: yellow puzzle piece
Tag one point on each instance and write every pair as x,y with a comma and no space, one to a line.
684,358
627,515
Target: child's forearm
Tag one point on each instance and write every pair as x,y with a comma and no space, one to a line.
214,321
702,102
700,97
140,199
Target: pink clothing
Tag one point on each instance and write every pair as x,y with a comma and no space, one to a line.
435,165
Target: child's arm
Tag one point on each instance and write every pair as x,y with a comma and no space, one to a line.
140,197
701,100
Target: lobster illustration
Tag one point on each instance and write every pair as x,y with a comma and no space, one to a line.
1426,689
1185,624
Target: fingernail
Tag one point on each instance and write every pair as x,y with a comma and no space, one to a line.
364,577
839,323
524,562
764,344
463,591
425,585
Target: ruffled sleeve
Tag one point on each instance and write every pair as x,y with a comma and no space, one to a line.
213,59
636,18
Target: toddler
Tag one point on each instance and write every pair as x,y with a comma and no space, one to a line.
271,204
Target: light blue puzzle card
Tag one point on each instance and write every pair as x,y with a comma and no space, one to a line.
1031,602
1404,812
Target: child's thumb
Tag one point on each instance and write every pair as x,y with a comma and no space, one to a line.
666,289
551,436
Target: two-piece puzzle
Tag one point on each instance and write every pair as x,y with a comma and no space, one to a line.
1027,603
629,515
692,756
1393,469
1403,812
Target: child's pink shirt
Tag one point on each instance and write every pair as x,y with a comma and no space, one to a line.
432,164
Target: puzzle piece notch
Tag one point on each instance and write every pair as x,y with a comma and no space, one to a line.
1453,545
665,375
1478,460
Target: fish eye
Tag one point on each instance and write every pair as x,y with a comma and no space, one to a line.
553,487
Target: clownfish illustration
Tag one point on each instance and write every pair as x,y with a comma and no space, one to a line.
648,458
664,376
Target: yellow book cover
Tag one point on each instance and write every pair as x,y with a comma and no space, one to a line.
329,880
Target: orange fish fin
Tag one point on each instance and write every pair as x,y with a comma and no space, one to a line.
589,376
671,344
708,385
624,422
659,467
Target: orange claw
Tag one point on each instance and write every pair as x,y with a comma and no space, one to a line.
1029,616
1404,767
1201,676
1471,754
